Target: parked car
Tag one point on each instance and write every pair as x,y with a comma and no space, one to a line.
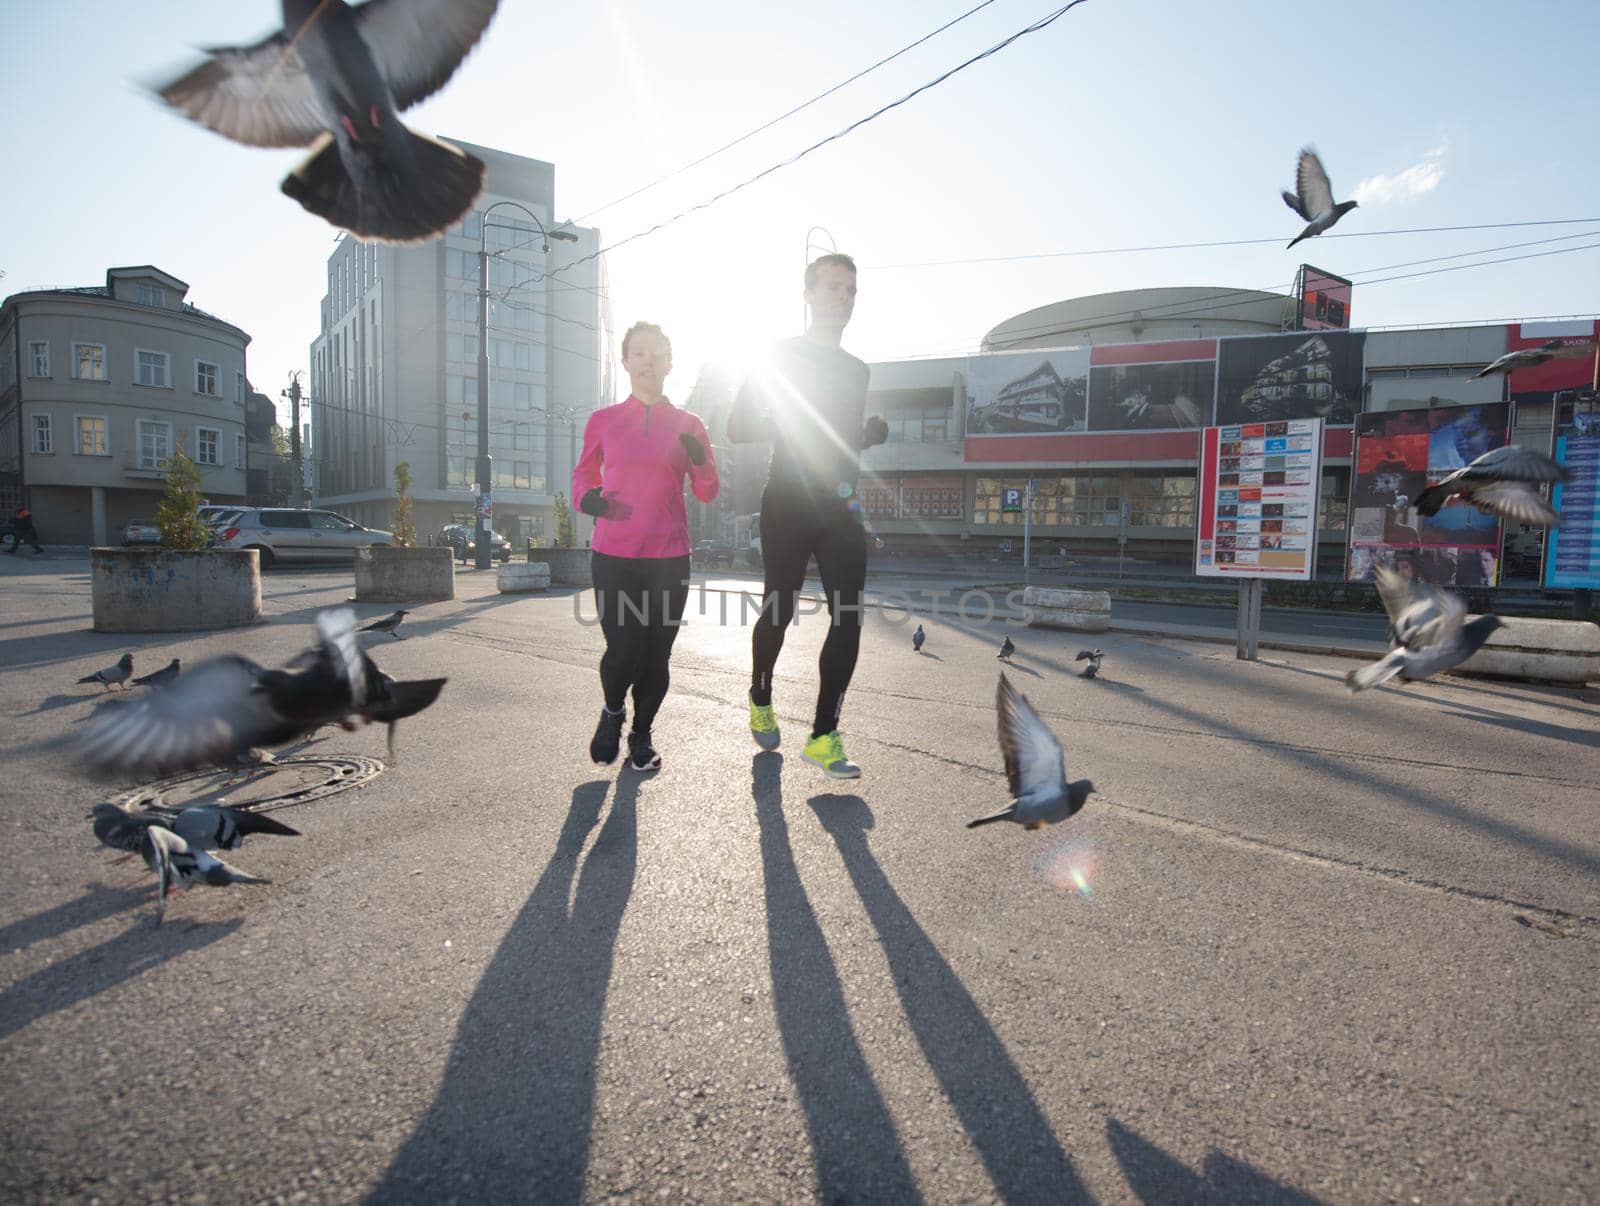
710,554
140,531
462,540
287,534
211,514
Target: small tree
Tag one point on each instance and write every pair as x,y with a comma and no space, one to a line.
405,527
566,533
178,512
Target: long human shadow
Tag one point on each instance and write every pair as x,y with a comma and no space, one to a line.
987,1090
1157,1176
1521,724
512,1118
98,903
140,947
857,1152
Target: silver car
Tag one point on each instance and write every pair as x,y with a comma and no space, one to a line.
287,534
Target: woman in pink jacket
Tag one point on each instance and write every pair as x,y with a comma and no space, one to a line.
630,478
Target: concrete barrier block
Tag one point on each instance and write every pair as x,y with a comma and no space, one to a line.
163,590
568,567
1073,610
390,575
518,578
1557,651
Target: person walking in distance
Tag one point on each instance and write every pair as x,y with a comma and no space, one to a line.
808,399
630,476
23,532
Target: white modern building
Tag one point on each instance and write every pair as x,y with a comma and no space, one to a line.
394,367
98,386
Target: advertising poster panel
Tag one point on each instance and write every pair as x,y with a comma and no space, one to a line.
1145,397
1573,559
1271,378
1258,500
1399,453
1324,300
1028,393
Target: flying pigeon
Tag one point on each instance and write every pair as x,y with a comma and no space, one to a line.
1092,656
118,674
389,624
159,678
1530,357
334,78
1006,650
917,638
1035,767
1503,482
1313,197
389,702
1431,632
227,705
178,864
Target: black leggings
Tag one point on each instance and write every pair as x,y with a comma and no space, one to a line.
640,601
793,530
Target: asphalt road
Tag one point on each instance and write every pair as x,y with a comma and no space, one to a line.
1299,946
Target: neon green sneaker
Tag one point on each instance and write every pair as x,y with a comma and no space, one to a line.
763,726
827,752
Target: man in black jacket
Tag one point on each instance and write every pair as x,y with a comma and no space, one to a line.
809,399
23,531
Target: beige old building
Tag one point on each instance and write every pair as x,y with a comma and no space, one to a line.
98,386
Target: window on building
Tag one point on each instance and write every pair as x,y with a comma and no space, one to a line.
155,443
152,368
39,358
524,398
93,439
152,295
207,379
238,388
207,446
525,357
42,441
89,361
916,424
1078,500
1162,502
1333,507
238,452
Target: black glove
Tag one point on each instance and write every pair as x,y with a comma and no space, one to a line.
874,433
592,504
696,450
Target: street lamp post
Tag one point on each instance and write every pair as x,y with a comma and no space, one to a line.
484,506
805,314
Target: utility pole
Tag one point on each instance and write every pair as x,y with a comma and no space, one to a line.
297,472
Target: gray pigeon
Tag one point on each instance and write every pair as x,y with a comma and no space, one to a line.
1533,357
1312,198
121,828
334,78
1006,650
389,624
1503,482
177,864
218,827
1431,632
112,675
917,638
159,678
1092,656
1035,767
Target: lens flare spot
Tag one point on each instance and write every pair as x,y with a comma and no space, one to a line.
1071,867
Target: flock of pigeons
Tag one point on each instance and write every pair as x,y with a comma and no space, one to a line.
221,715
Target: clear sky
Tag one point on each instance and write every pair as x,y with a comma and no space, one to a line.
1125,123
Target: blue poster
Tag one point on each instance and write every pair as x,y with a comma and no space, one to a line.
1573,560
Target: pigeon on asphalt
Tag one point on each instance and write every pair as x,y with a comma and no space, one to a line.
159,678
178,864
1503,482
1312,198
917,638
1431,632
118,674
389,702
1006,650
1092,656
1035,767
334,78
216,712
219,827
389,624
121,828
1532,357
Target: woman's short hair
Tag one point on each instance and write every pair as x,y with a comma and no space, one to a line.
646,328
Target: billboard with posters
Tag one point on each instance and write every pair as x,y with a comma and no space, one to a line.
1272,378
1144,397
1028,393
1573,559
1258,500
1398,454
1324,300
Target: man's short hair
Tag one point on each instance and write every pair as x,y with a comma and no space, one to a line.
822,261
643,328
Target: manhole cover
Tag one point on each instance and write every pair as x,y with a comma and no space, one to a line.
285,782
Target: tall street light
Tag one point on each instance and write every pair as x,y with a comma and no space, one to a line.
484,508
805,313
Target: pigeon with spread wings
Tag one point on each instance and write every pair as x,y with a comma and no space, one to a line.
1431,632
1312,198
1525,358
1035,767
1503,482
